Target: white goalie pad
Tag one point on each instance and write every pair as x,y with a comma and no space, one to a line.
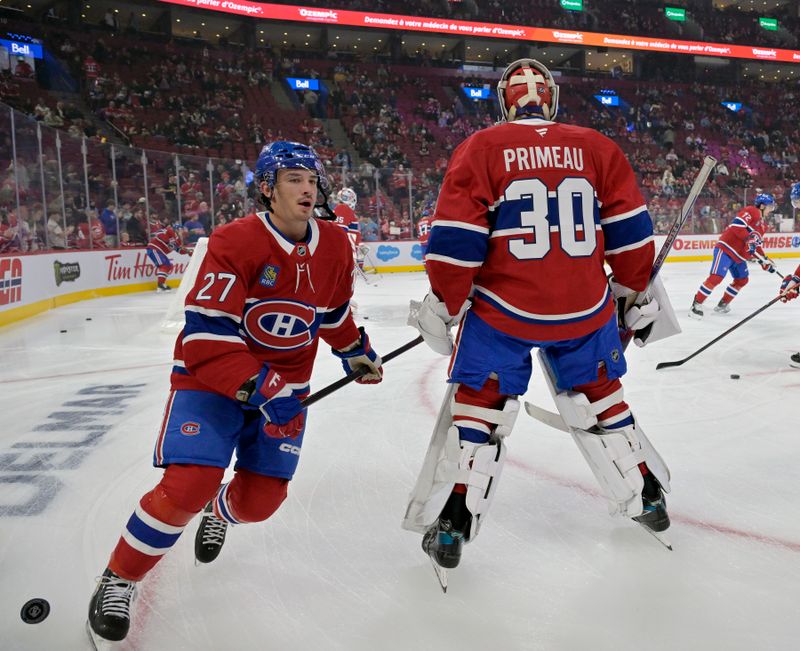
612,455
448,462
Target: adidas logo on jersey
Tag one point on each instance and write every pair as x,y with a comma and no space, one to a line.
542,132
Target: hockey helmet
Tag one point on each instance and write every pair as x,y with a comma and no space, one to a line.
348,197
764,199
794,195
284,154
527,88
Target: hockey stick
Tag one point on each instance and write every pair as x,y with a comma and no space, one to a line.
347,379
694,192
680,362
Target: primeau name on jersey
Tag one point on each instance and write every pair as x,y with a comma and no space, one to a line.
531,158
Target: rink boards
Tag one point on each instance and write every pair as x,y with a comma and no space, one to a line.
30,284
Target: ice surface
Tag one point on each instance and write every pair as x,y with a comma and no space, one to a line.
334,570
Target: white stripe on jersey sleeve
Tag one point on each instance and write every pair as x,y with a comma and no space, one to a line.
629,247
624,215
462,225
207,336
454,261
215,313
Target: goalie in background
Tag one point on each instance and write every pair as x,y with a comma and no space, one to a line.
270,286
739,242
529,210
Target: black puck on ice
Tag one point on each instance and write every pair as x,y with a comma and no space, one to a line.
62,331
88,318
735,376
35,611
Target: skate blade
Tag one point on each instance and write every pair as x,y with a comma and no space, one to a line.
659,536
99,643
441,574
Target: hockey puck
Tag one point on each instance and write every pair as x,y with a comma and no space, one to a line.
88,318
734,376
35,611
62,331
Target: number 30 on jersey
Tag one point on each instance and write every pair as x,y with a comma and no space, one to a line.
575,213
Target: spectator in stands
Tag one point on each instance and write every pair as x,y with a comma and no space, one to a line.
109,220
23,69
194,229
56,236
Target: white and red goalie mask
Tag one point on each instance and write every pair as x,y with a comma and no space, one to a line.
527,89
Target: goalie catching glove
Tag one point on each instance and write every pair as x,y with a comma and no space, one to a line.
648,315
433,321
360,355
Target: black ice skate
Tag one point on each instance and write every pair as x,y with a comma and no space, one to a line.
722,308
654,517
110,607
794,360
210,536
443,544
163,287
696,311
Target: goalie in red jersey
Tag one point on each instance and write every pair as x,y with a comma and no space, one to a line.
528,213
270,285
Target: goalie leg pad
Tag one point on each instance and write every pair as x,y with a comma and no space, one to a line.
450,461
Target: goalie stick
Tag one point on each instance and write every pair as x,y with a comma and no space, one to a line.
680,362
350,377
702,176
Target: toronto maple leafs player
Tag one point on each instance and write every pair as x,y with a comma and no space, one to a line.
270,285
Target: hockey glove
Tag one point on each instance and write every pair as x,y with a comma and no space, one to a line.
790,283
285,417
361,355
754,242
433,321
767,265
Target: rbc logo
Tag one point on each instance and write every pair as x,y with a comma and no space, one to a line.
280,324
386,253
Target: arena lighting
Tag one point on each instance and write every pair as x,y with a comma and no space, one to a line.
490,30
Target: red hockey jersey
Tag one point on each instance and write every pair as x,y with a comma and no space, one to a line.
735,239
164,239
348,222
527,214
260,297
424,230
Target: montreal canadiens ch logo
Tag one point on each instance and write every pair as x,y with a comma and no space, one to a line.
280,324
190,428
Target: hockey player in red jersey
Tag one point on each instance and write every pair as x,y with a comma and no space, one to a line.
346,217
790,287
739,242
270,285
424,230
163,241
528,212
